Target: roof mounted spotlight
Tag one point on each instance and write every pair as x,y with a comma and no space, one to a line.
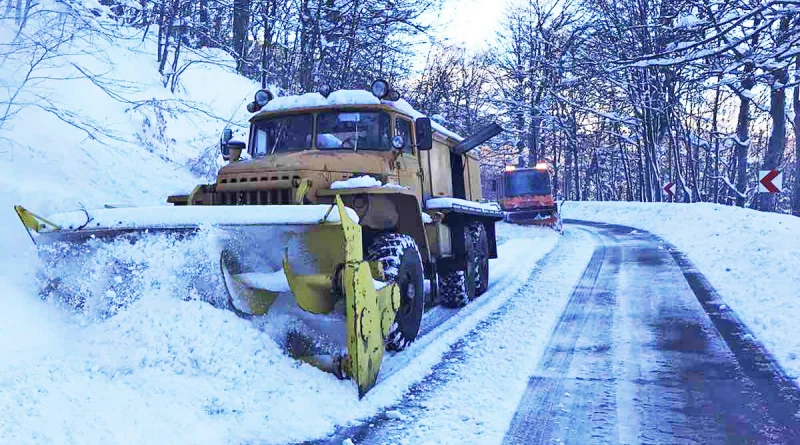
325,90
393,96
379,88
261,98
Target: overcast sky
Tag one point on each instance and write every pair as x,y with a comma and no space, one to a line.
472,22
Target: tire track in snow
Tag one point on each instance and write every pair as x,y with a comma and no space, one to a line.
569,339
431,409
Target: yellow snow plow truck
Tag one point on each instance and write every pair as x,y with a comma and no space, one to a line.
347,209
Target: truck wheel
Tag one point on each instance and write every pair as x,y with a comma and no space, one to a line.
399,256
452,289
478,256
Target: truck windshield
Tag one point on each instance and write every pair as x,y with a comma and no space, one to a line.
282,134
354,130
527,182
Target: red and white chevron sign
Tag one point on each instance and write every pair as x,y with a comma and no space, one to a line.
770,181
669,188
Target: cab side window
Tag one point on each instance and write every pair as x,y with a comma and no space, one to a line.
402,127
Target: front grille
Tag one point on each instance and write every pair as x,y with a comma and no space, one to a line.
256,197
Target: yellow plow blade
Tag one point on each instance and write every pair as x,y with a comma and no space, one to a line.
306,260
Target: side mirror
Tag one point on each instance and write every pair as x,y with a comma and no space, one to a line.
424,133
225,137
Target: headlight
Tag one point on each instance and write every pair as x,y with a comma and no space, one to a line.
325,90
379,88
263,97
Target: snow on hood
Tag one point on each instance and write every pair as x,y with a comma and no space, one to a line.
364,182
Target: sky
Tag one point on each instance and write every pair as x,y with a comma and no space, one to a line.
472,23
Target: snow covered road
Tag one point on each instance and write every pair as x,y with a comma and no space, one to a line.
472,394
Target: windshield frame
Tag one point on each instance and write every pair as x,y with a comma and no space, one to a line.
314,112
522,177
255,127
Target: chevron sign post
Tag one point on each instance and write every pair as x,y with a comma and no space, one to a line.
770,181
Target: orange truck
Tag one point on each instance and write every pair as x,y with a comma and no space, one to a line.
526,196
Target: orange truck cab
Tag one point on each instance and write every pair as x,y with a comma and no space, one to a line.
526,196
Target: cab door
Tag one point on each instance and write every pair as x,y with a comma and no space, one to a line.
407,164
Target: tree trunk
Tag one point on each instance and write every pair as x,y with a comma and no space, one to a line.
161,10
205,24
742,144
777,139
796,105
534,155
715,135
241,20
169,19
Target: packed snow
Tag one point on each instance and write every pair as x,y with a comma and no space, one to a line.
750,257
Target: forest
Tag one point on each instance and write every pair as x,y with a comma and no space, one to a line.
619,97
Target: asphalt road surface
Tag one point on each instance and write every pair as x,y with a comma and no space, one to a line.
644,353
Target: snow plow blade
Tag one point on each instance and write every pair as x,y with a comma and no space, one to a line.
304,260
539,217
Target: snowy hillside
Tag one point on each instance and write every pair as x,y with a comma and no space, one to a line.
92,124
750,257
95,125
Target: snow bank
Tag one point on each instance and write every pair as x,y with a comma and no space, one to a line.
750,257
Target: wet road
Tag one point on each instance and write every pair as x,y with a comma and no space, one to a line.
646,353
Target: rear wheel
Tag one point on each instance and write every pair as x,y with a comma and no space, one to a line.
401,261
453,291
459,287
478,256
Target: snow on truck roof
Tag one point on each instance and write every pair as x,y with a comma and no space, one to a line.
347,97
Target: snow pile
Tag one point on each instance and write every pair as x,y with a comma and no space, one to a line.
750,257
150,360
